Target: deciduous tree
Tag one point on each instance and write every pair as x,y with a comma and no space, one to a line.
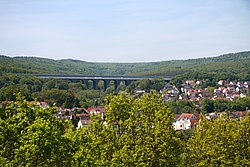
220,142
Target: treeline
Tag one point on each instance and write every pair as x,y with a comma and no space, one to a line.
134,132
62,92
66,93
237,63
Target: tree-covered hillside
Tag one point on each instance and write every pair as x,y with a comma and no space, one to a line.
230,63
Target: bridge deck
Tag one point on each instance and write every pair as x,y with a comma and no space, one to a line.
82,77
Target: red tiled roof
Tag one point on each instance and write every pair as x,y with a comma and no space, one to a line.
96,109
81,115
188,116
4,102
197,115
194,121
195,99
42,103
184,115
176,116
202,90
220,98
230,85
244,113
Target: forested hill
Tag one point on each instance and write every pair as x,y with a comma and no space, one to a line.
230,63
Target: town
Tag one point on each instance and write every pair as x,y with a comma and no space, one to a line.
189,91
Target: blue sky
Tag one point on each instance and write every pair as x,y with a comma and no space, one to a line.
124,30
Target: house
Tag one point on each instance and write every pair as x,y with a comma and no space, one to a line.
199,99
222,98
79,110
238,114
96,110
170,91
84,120
199,82
185,88
183,97
218,93
222,82
140,92
211,115
232,83
235,96
60,113
192,92
245,89
183,124
247,83
168,97
231,87
242,95
83,116
186,121
168,86
82,123
190,82
42,104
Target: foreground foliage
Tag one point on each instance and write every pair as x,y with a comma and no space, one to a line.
32,136
137,133
220,142
134,132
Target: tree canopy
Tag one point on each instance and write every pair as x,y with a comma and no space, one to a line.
133,132
220,142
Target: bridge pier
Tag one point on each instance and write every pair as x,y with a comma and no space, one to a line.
94,84
116,82
85,82
106,84
96,79
127,82
82,81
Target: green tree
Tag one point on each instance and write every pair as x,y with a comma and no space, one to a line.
144,84
32,136
208,105
60,97
243,103
9,92
136,132
157,84
220,142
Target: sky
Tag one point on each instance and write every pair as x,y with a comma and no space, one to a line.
124,30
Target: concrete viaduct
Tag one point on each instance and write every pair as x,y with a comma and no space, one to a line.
95,79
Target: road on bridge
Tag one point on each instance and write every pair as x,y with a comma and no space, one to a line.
84,77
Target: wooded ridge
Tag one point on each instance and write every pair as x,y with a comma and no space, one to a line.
231,63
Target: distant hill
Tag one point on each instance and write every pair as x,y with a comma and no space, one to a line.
231,63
